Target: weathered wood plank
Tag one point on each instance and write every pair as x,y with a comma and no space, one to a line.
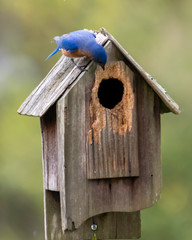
113,129
149,133
128,225
75,154
50,156
60,110
52,215
110,226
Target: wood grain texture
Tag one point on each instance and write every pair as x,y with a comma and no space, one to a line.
52,215
114,225
113,146
110,226
75,153
86,198
149,133
60,110
50,153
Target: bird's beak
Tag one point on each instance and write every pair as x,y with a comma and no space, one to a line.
103,66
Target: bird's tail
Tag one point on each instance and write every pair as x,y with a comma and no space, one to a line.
55,51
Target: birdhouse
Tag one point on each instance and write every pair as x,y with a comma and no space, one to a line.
101,144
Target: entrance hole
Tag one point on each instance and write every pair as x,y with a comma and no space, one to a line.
110,92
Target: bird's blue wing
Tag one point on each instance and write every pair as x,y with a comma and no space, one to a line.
69,42
70,45
76,40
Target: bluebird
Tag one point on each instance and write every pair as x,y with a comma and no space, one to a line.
79,44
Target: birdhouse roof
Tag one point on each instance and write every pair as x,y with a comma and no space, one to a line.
64,75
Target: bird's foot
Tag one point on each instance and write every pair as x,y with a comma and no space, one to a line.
81,68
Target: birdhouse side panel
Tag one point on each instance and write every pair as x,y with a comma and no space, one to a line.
49,143
149,139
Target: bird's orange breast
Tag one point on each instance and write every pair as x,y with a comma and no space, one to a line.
77,53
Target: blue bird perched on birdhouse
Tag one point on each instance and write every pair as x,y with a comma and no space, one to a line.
79,44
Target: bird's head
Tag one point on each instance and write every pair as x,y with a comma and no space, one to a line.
99,55
58,40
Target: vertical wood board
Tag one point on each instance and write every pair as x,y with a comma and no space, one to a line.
49,143
60,110
75,154
52,215
113,146
110,226
149,136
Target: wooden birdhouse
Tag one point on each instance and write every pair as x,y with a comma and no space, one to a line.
101,144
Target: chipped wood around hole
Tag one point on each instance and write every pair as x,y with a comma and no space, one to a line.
121,115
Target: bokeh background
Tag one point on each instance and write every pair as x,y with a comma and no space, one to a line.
158,34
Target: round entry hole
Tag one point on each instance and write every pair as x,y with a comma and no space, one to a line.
110,92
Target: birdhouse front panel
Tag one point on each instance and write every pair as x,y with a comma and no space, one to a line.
126,148
119,139
112,140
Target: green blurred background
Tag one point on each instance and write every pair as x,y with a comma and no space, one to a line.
158,34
